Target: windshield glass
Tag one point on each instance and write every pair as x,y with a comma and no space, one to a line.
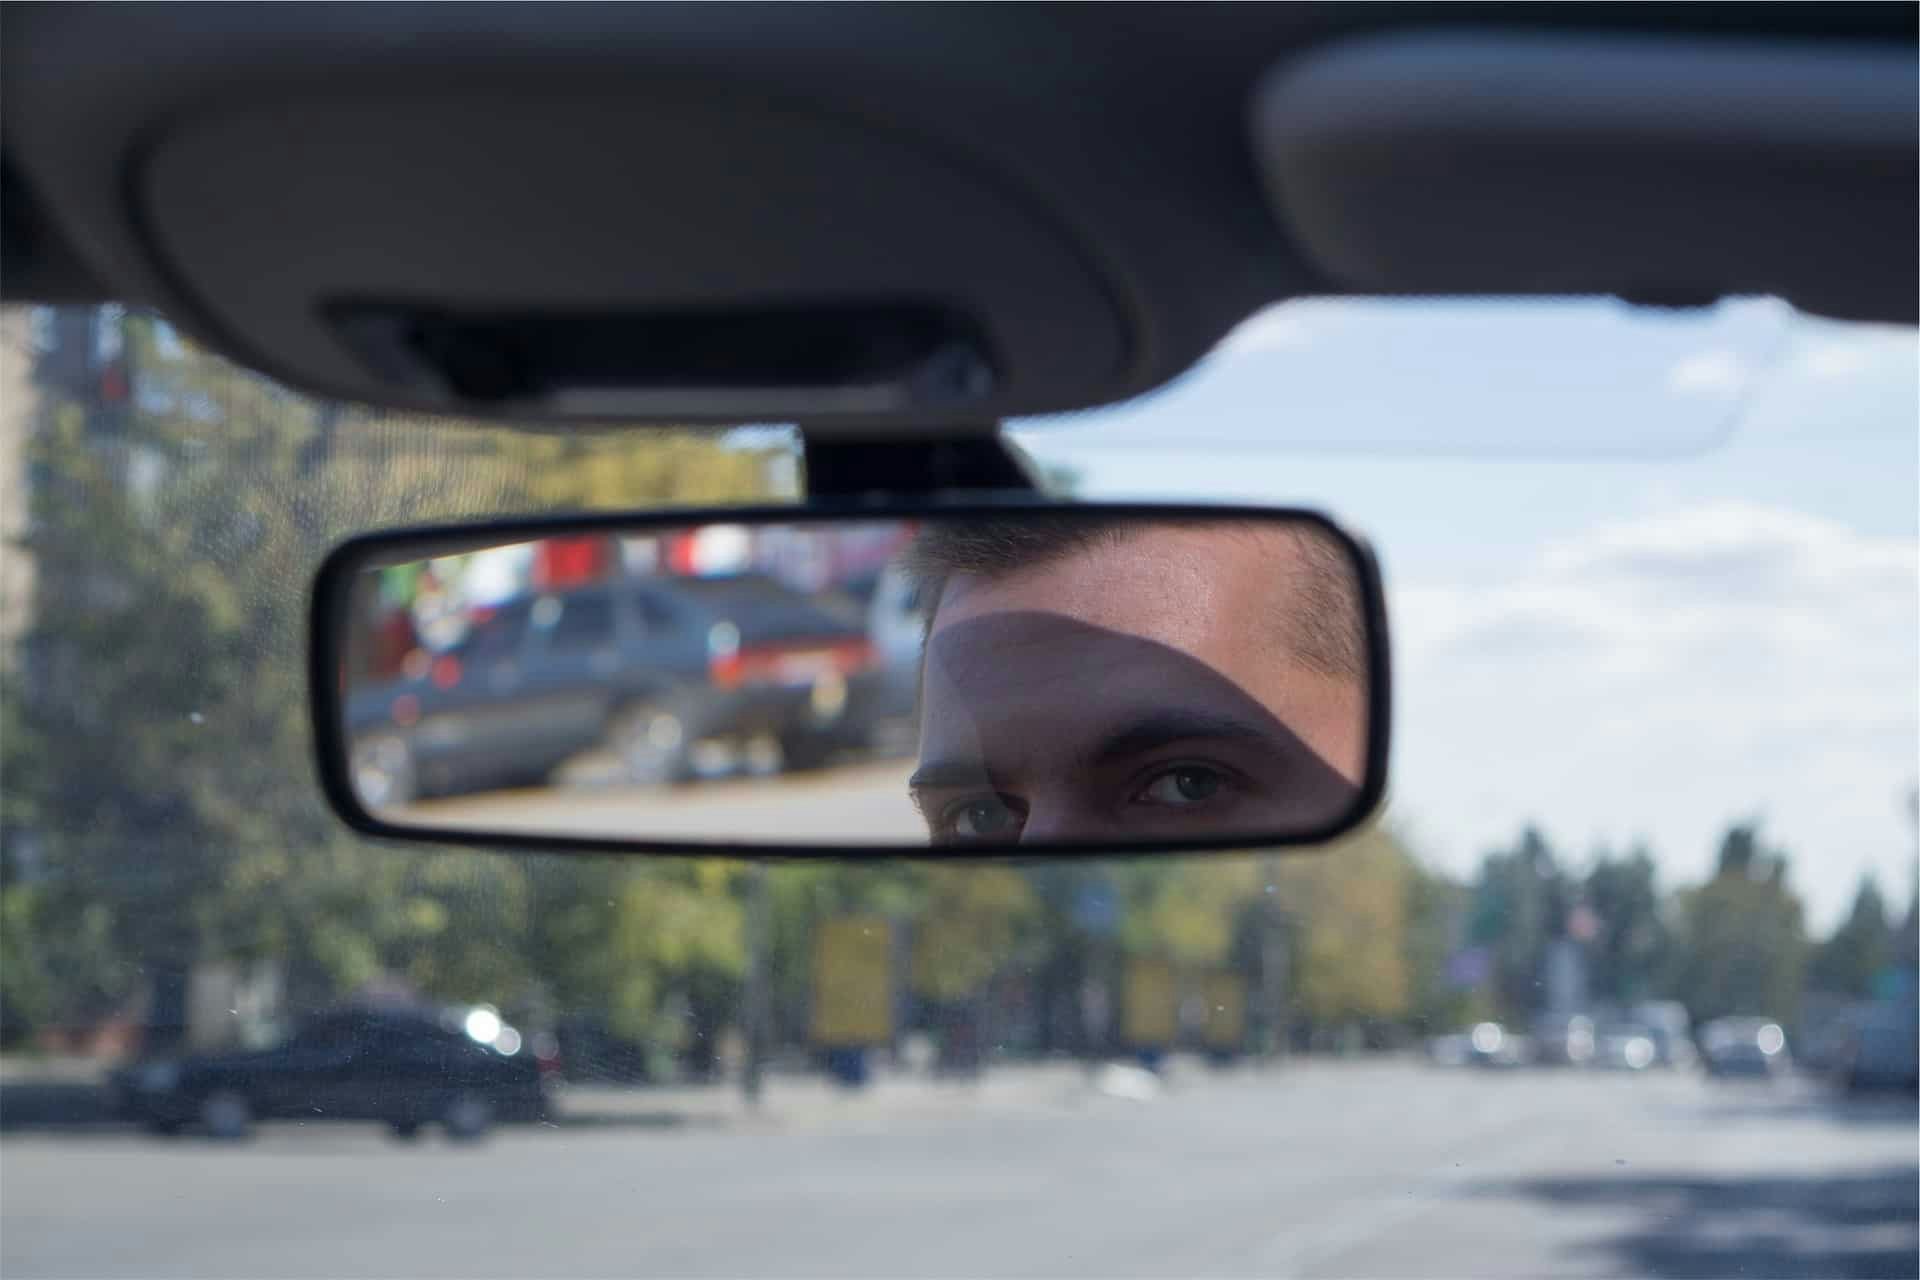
1621,983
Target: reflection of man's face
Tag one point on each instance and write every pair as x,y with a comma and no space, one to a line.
1143,688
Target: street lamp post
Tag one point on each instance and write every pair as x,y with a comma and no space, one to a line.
1273,961
754,1000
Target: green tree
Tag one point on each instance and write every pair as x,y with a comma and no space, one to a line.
158,750
1862,948
1906,939
1630,954
1348,904
1742,944
804,894
971,923
1519,905
1186,910
1437,909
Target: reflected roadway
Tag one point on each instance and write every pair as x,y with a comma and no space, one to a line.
850,804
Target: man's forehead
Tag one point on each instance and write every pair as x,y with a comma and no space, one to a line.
1035,691
1181,586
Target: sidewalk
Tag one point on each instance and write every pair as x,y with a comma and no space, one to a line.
790,1100
793,1100
35,1068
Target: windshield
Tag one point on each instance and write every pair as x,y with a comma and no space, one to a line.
1621,984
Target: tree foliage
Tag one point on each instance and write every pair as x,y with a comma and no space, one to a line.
155,732
1859,951
159,809
1348,907
1520,900
971,923
1743,943
1632,947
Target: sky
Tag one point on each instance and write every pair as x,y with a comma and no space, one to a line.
1648,573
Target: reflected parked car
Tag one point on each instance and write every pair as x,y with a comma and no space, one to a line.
884,715
1753,1048
402,1067
674,678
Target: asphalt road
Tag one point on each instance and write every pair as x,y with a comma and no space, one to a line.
848,804
1393,1169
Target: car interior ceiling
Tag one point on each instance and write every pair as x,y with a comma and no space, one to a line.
1274,152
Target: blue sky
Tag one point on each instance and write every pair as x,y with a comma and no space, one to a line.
1649,572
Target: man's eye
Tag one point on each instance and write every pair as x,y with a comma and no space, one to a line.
1190,784
979,818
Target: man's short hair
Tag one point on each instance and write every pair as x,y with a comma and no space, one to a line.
1322,624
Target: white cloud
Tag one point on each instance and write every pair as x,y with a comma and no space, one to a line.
1836,352
1718,371
1667,675
1282,328
1835,360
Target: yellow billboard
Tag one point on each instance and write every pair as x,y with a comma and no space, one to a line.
1149,1007
1225,1027
852,982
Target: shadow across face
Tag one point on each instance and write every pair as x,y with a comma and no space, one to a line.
1038,728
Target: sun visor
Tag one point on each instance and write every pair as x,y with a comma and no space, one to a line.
637,254
1657,169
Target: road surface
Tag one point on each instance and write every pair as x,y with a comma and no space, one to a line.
1372,1169
844,805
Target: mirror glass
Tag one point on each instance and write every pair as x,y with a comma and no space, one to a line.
1012,679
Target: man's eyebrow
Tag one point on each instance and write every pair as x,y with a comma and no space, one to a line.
949,773
944,775
1160,728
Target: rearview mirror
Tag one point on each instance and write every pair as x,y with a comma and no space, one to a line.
989,678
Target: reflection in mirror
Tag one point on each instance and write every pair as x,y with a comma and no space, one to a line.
1028,678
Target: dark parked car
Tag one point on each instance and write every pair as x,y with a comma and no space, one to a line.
884,710
406,1068
662,673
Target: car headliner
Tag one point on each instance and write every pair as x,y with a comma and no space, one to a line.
1106,191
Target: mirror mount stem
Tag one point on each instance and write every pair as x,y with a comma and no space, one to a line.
979,459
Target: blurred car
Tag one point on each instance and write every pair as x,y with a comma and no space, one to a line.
1667,1023
1882,1053
1489,1044
1454,1050
1745,1047
1564,1040
1625,1047
673,677
1827,1037
402,1067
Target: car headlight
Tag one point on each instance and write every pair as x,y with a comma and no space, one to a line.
156,1077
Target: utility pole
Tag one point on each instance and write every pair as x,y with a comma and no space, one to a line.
1913,818
755,999
1913,825
1273,961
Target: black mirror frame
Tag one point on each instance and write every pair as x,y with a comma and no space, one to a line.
336,573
